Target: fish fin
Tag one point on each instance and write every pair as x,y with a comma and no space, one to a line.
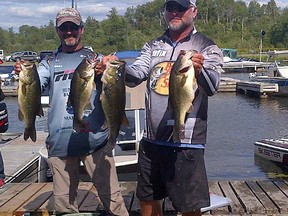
40,111
125,120
89,105
30,132
23,89
101,96
182,132
175,135
20,115
111,143
190,109
83,87
103,80
105,125
68,102
183,80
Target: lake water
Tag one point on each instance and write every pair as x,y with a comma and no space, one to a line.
235,122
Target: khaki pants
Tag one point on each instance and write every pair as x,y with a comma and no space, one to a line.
101,168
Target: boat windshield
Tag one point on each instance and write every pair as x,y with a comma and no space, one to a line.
283,63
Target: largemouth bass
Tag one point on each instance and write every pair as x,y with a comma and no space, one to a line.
182,86
81,89
113,99
29,98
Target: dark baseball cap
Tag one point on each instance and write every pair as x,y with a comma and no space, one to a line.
184,3
68,15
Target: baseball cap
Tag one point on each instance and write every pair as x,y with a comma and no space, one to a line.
68,15
184,3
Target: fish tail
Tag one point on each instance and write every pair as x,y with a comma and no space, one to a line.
30,132
182,131
79,125
111,142
178,133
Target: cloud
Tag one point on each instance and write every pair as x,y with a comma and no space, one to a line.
15,13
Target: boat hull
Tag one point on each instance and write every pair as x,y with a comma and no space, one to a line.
272,149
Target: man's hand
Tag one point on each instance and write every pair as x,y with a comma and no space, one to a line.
101,66
198,61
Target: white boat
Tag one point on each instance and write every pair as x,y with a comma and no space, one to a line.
275,72
275,150
233,63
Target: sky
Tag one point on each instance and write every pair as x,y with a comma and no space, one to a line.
15,13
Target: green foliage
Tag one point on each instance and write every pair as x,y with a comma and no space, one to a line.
230,23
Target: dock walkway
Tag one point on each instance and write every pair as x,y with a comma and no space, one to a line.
265,197
259,89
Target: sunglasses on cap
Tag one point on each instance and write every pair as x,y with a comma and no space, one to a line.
69,27
176,8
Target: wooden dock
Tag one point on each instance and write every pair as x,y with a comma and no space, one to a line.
27,198
228,84
265,197
258,89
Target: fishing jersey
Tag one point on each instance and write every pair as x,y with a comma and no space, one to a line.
56,74
154,65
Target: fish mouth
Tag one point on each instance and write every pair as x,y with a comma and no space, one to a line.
184,70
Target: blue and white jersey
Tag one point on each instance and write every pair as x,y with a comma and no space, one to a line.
56,74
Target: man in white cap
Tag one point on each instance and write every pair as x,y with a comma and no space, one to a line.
169,168
67,148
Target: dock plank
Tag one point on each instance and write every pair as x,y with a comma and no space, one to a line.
247,198
214,186
38,196
10,191
10,207
235,206
270,208
33,203
278,197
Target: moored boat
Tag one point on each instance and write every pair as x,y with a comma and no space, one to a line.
276,72
275,150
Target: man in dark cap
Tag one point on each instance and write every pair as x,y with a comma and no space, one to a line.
67,148
169,168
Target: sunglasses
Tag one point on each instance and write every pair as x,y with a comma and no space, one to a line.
178,8
65,28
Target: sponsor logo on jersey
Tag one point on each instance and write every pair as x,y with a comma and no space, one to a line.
159,78
63,75
159,53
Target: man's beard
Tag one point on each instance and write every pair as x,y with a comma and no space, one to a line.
70,43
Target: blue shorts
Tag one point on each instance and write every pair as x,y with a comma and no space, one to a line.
177,173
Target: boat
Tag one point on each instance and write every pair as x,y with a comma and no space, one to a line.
233,63
272,149
275,72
